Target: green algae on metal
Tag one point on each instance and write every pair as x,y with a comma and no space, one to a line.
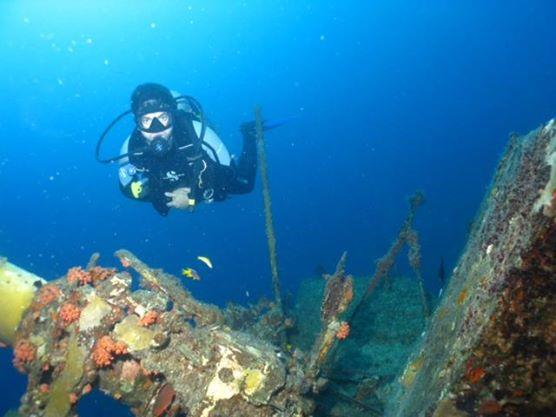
60,404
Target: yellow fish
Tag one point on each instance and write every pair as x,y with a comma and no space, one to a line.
205,260
191,274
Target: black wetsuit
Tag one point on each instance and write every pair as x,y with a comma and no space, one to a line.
187,164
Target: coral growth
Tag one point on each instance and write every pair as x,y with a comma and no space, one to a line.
25,352
79,276
69,313
149,318
48,294
343,331
106,350
474,374
100,274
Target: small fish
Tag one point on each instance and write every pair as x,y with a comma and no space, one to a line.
247,293
191,274
205,260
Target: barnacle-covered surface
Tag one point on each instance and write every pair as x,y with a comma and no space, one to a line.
264,319
489,349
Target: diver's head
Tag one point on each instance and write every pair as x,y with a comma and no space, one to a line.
154,108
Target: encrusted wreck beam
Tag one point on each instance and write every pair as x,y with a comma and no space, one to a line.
406,236
267,201
157,350
338,295
490,348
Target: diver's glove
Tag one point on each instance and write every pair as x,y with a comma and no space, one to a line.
179,198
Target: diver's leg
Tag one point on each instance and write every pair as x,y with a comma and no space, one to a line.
246,168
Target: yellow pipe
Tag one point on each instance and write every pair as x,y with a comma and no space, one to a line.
17,289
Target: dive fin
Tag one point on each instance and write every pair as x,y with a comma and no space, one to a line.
267,124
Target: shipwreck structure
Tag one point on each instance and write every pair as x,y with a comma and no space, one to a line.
488,349
157,349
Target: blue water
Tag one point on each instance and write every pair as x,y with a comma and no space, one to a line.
388,97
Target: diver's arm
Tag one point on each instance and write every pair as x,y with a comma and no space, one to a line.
149,194
134,185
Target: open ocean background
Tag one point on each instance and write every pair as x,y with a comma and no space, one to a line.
388,97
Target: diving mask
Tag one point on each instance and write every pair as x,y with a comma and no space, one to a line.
154,122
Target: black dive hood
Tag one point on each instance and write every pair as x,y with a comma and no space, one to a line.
194,107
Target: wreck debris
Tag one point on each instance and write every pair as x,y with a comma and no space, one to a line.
93,260
18,287
262,320
148,350
490,347
269,224
338,295
412,240
407,235
370,410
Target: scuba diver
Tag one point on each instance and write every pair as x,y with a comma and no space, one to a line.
172,159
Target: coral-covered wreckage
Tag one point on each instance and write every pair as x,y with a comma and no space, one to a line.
489,348
160,351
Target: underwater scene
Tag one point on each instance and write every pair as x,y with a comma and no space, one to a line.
273,208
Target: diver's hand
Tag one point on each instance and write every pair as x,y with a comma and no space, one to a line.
180,198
